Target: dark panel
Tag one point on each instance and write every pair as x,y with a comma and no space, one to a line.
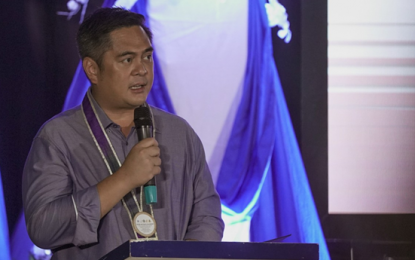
38,59
287,58
314,99
372,227
302,67
345,249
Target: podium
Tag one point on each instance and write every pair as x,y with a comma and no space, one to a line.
191,250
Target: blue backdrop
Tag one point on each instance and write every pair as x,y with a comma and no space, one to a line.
262,177
4,234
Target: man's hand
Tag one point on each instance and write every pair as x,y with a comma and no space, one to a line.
141,165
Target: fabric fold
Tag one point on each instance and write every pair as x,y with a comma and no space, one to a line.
262,177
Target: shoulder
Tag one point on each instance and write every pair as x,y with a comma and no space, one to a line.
167,121
176,131
62,124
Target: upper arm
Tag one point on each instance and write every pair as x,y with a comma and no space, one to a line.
46,176
206,223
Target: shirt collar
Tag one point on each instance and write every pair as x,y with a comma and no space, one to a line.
105,120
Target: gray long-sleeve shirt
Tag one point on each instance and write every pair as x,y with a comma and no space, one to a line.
61,201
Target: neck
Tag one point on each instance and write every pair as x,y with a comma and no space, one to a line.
124,117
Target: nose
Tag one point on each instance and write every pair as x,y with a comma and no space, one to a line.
140,69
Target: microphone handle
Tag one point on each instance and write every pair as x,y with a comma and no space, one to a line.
150,189
144,131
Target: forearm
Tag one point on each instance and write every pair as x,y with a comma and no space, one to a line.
206,223
72,219
52,225
112,189
141,164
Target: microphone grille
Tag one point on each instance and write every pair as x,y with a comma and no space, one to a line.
142,116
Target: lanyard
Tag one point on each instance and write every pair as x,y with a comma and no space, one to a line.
109,155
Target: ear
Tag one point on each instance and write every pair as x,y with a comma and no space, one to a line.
91,69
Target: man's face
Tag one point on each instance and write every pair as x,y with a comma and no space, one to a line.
126,74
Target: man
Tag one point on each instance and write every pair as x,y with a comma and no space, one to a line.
75,200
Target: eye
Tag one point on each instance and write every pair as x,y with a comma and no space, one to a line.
148,56
127,60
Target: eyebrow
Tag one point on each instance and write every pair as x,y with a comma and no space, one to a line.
126,53
149,49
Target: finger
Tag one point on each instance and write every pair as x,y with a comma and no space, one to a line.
156,161
148,142
152,151
156,170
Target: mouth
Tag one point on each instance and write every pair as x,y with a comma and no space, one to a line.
137,86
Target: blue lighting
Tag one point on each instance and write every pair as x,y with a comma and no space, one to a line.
4,230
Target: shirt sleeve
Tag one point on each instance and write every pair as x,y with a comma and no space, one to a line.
55,215
205,223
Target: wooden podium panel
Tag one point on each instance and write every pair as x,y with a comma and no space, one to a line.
191,250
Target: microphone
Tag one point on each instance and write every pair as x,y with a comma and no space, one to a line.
144,127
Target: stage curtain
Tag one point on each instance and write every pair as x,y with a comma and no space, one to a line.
262,177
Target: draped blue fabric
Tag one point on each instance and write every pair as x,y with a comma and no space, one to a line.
262,176
21,244
78,88
253,134
4,230
159,95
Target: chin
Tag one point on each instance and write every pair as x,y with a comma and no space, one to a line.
137,103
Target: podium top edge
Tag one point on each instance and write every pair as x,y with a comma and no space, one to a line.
132,241
223,250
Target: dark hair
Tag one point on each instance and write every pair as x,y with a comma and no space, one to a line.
93,37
